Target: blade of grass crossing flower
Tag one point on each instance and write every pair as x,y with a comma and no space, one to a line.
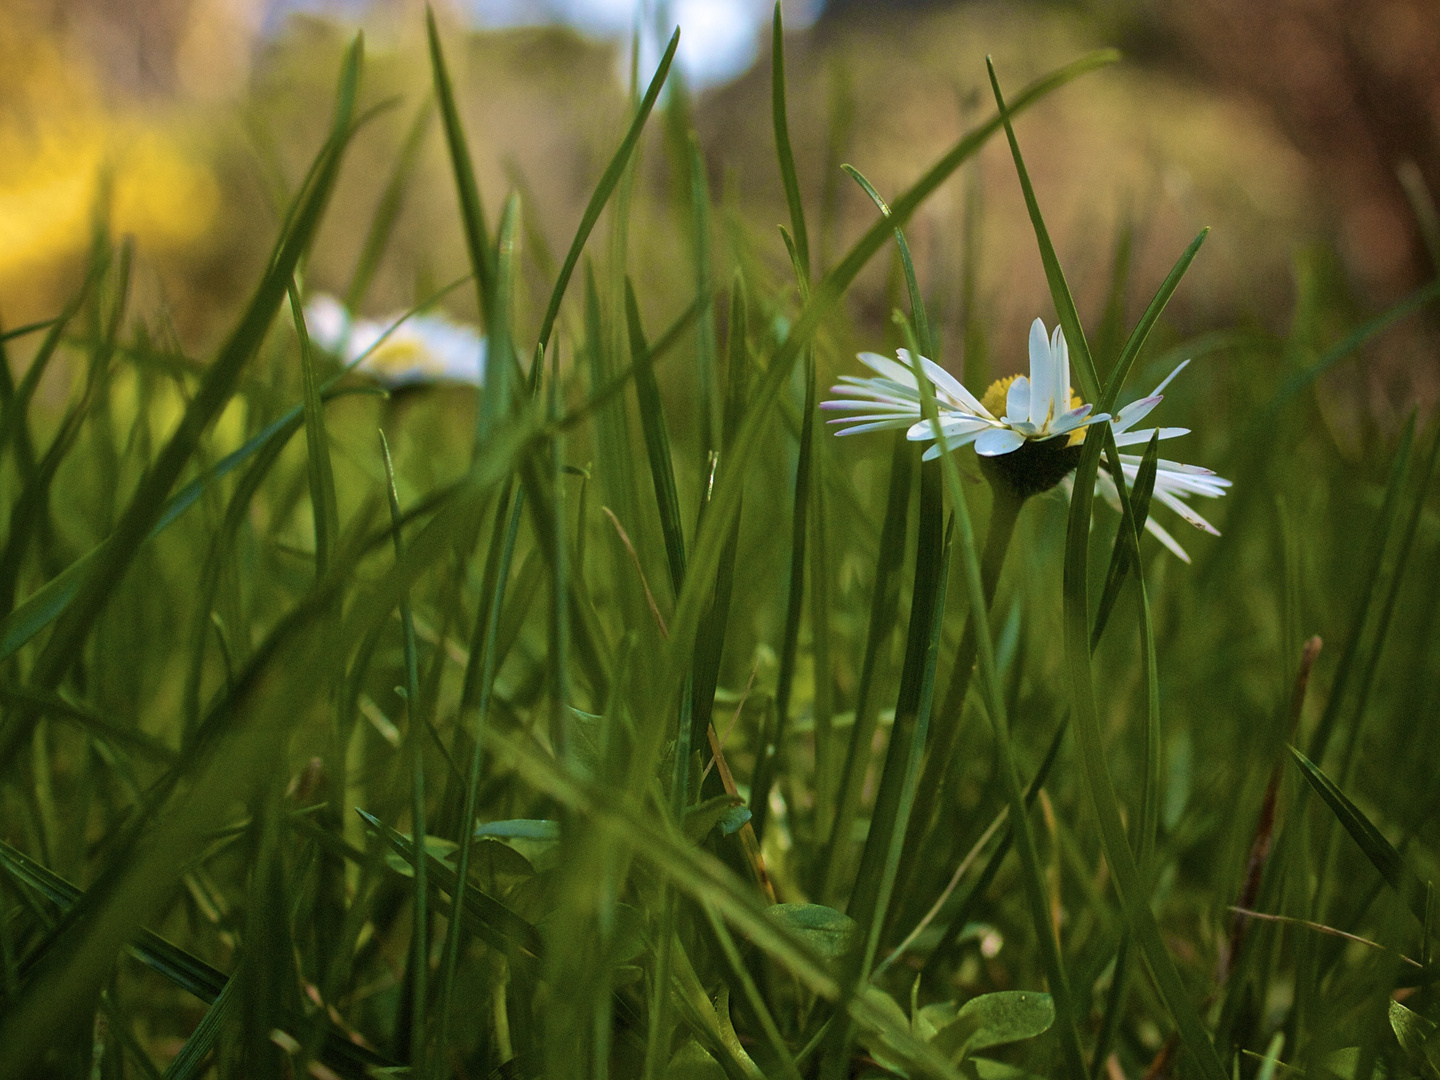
783,152
148,502
657,444
387,210
1128,883
1059,291
1127,547
472,210
993,693
419,964
323,505
608,180
1119,554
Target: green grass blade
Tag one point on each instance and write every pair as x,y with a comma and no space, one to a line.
884,604
775,740
387,210
14,421
1136,341
608,180
964,909
1128,883
415,748
493,921
706,350
993,694
1120,553
1065,309
710,637
472,210
1386,614
708,881
657,443
323,504
783,152
1388,862
1353,341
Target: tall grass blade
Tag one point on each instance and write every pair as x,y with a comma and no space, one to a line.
608,181
419,962
657,443
472,209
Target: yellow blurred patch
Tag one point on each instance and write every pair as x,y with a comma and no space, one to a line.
60,141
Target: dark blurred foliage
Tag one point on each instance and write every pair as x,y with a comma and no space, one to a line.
1354,84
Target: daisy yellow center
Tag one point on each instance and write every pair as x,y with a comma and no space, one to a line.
994,399
994,402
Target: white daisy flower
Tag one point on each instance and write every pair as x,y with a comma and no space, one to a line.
399,351
1016,427
1015,411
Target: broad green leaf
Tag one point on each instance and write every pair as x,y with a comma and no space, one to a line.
829,932
989,1020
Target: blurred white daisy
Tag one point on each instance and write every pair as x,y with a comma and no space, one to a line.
399,351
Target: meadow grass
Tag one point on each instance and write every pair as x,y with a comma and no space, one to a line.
616,719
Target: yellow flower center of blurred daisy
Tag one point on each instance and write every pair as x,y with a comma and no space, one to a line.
403,357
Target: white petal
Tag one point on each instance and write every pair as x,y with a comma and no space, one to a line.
1060,361
950,444
1017,400
1184,511
998,441
950,426
1166,381
952,387
1158,531
1133,413
873,425
1075,418
1130,438
1042,375
884,366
